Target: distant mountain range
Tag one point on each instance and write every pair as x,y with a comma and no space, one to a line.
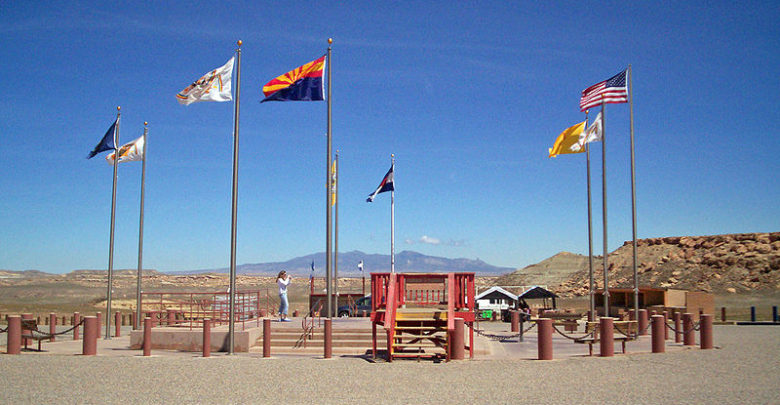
406,261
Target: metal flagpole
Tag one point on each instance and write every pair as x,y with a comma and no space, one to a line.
232,294
590,232
335,197
328,204
139,317
392,219
604,204
113,218
633,191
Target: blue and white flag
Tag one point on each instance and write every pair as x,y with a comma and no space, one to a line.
107,143
311,276
385,185
360,266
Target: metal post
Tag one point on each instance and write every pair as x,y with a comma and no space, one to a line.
689,336
232,310
76,321
328,204
266,337
458,347
705,331
14,342
604,203
335,186
658,343
207,337
141,235
52,325
147,343
515,321
633,189
89,344
544,343
113,218
392,219
607,338
328,346
591,292
723,314
752,314
642,322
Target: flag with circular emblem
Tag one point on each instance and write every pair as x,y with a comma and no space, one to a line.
303,83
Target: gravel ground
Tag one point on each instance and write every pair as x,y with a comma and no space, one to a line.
743,370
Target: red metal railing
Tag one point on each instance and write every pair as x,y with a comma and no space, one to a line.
188,309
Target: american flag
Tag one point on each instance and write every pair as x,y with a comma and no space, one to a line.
612,90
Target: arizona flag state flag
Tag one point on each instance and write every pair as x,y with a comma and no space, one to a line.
385,185
303,83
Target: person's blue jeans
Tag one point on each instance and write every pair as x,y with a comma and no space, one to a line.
283,305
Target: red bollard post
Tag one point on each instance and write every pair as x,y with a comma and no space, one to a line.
705,331
134,321
658,326
723,314
26,341
117,324
266,337
14,344
91,328
666,330
607,338
63,320
631,315
515,321
689,335
328,338
76,321
171,315
677,328
52,326
642,322
207,337
147,346
458,347
544,343
100,324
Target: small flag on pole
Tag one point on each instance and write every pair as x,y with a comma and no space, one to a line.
567,138
385,185
592,134
311,275
213,86
611,91
360,266
107,143
303,83
129,152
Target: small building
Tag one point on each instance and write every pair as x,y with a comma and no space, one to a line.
621,300
496,299
538,292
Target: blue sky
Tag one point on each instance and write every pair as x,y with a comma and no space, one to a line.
467,95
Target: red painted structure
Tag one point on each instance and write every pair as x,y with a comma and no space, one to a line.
190,308
393,293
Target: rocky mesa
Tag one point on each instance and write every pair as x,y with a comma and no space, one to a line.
729,263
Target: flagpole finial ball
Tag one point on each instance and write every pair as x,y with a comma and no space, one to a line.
146,123
118,108
330,41
239,42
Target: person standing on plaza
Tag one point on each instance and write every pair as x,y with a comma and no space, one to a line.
283,280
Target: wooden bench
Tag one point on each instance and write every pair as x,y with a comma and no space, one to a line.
624,331
29,325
